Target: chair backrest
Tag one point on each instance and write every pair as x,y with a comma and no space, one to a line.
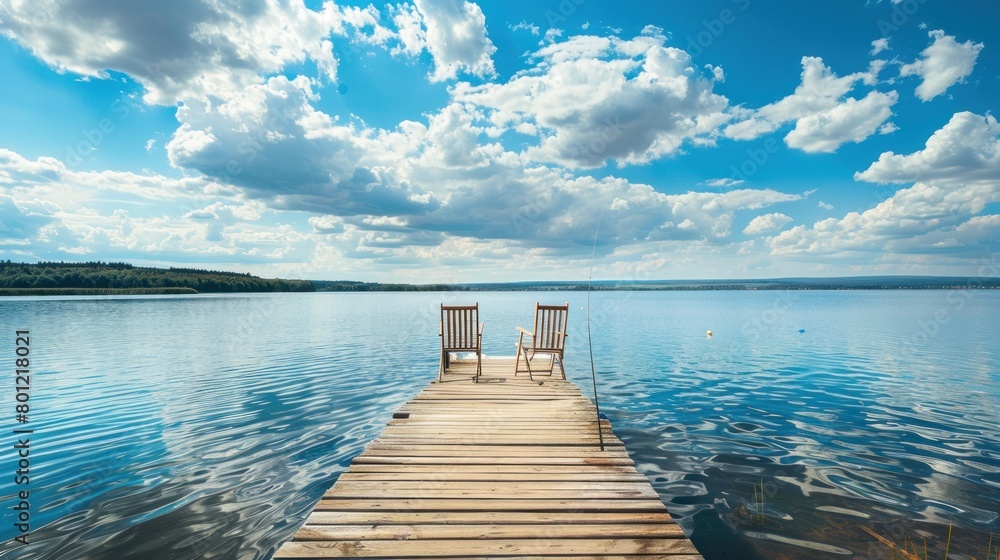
460,327
550,326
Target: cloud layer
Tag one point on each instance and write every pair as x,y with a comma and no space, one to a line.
189,49
957,175
512,172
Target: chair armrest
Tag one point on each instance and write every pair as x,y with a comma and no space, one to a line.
482,326
524,331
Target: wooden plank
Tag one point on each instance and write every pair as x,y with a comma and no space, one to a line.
516,425
370,518
444,504
461,476
317,532
397,448
492,460
476,490
511,439
538,451
490,547
495,487
488,468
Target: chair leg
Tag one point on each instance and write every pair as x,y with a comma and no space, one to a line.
527,362
441,367
517,355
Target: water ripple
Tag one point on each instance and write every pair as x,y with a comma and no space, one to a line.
208,426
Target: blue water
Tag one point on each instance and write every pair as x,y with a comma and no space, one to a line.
208,426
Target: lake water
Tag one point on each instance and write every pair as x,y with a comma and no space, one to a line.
207,426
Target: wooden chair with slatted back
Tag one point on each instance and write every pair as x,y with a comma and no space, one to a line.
460,331
548,337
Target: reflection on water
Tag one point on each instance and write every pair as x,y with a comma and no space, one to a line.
844,426
208,426
199,427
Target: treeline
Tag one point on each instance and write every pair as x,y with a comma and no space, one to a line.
353,286
94,291
124,276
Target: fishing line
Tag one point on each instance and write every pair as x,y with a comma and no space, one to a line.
590,344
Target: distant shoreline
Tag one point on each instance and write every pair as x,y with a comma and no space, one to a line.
843,283
95,291
97,278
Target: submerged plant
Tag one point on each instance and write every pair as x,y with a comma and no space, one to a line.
905,554
755,513
893,547
759,503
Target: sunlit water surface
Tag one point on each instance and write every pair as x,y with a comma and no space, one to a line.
208,426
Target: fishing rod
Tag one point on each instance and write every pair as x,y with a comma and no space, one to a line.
590,344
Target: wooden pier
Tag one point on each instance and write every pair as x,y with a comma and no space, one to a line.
503,468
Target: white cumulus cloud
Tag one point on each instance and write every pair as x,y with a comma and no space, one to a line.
956,177
824,119
272,142
452,31
766,223
964,150
902,220
879,45
188,48
850,121
591,99
943,64
195,220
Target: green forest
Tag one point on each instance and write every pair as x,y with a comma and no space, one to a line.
114,277
97,278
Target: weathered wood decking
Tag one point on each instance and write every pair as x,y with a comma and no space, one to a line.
503,468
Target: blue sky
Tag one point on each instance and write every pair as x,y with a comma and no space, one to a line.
452,141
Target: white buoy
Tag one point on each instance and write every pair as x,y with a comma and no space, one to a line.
709,333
